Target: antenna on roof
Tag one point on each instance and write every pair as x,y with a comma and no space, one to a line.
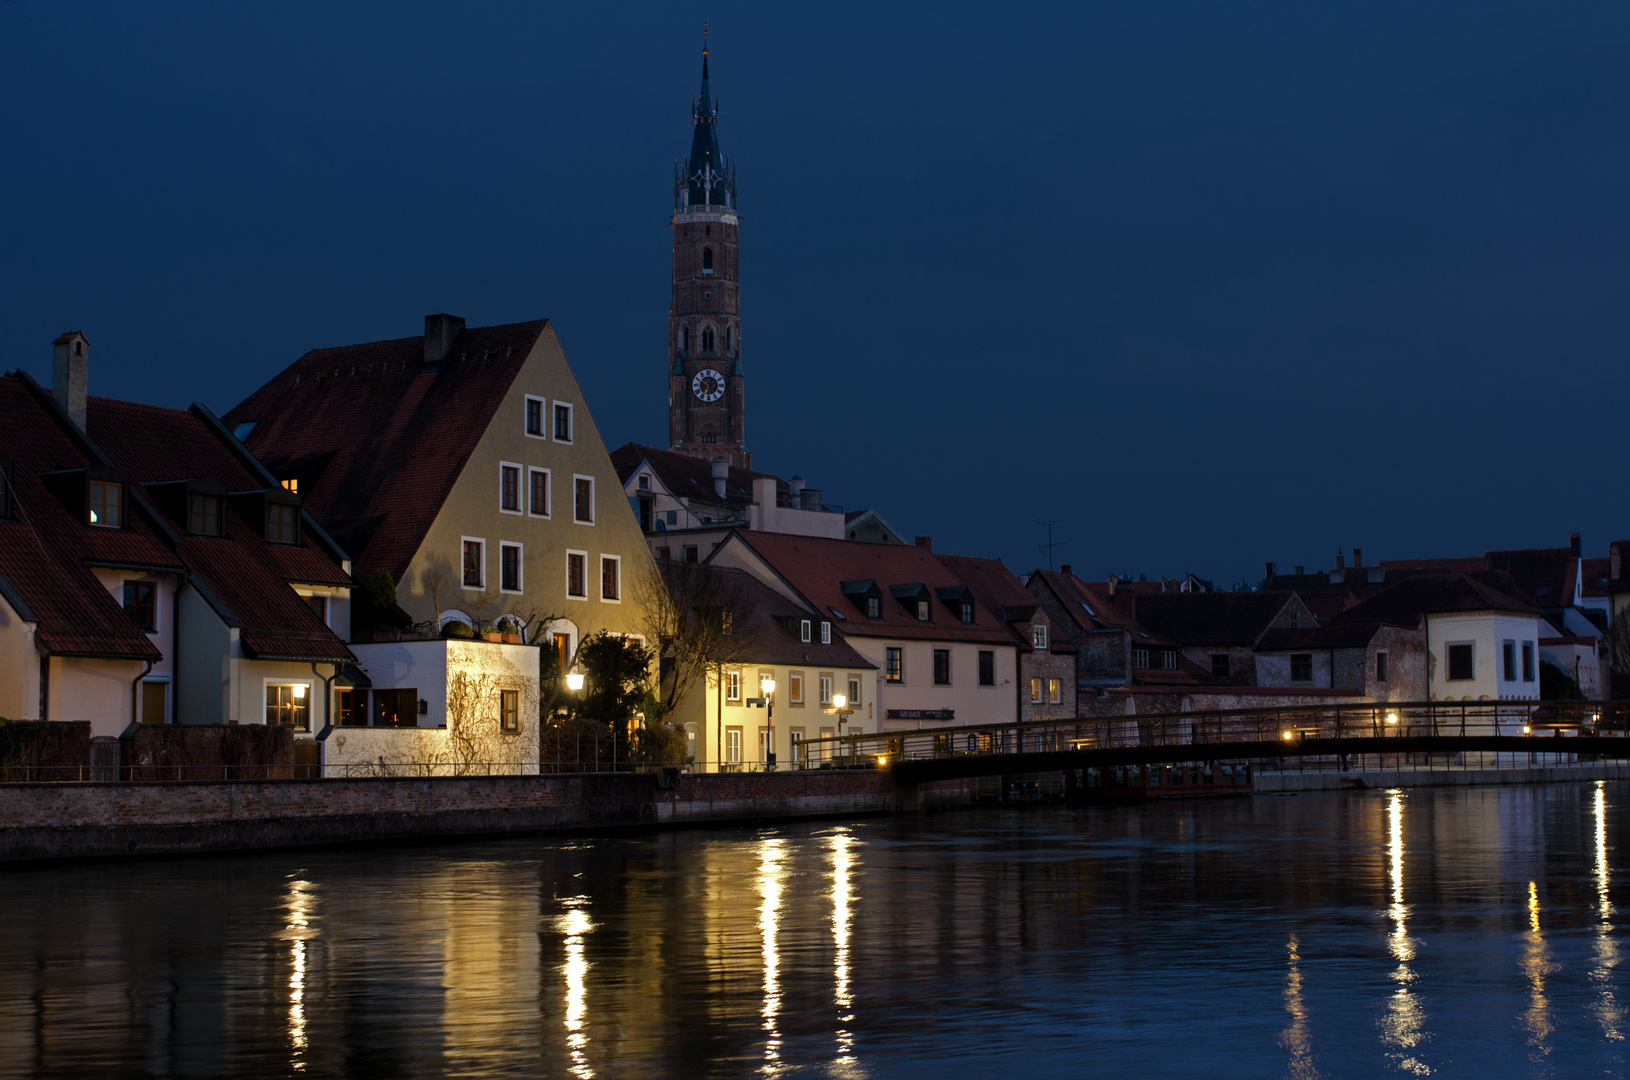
1050,544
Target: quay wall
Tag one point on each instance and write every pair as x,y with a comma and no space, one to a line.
92,820
1401,778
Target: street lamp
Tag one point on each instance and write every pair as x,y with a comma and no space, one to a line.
766,684
574,683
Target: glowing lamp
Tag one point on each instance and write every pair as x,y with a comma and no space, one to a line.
767,685
1527,730
839,700
1392,718
1288,735
574,680
882,759
299,690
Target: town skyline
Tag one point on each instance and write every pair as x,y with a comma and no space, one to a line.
1214,313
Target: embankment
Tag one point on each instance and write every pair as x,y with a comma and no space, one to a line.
93,820
1265,782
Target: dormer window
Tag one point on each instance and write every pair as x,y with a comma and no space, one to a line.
922,611
1038,635
966,613
107,499
203,514
826,632
282,523
803,631
291,485
874,607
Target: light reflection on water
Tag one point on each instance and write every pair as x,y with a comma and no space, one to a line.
1454,932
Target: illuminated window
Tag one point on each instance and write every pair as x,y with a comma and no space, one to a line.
509,710
1054,692
894,665
291,485
795,687
1035,691
289,705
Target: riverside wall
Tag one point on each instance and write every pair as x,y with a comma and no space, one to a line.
1269,782
99,820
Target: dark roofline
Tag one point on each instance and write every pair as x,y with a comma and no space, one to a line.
24,612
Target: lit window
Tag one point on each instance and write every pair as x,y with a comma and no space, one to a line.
288,705
282,523
795,687
538,492
509,710
291,485
203,514
942,667
610,578
509,567
894,665
139,604
1035,691
107,504
1054,692
1038,635
473,564
583,500
577,574
563,423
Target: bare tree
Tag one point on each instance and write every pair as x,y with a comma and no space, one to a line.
696,617
478,677
1620,638
437,580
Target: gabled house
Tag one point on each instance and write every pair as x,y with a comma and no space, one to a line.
166,577
942,654
732,725
464,465
1480,637
1046,684
1219,631
1370,660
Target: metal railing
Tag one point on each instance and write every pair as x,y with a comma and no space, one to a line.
1288,729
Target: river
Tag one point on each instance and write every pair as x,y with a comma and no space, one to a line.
1470,932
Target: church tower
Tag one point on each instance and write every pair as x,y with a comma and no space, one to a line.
705,403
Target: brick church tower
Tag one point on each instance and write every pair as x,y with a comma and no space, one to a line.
705,403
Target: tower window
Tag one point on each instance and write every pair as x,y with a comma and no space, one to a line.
710,437
684,339
707,339
707,260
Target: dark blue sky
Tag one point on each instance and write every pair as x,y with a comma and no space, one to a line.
1211,283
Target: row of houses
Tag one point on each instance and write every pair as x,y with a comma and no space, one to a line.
395,549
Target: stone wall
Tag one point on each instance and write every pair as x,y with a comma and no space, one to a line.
51,821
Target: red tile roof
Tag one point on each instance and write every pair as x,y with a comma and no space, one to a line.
1231,618
689,477
46,551
1439,593
1593,575
377,437
994,587
816,568
241,572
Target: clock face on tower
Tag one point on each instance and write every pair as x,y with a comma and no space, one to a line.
708,385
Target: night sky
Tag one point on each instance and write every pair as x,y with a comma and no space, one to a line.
1210,284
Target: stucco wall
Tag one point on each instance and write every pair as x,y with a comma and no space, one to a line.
92,691
19,668
973,704
1486,632
203,693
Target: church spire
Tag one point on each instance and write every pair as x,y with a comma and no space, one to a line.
707,178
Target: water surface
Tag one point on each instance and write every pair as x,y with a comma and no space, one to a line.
1467,932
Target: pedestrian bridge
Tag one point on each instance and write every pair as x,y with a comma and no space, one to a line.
1491,733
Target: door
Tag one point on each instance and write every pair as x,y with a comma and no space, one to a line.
155,701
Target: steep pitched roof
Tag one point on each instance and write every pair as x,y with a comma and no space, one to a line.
46,551
771,630
995,587
245,577
1439,593
1233,618
1594,576
377,435
689,477
818,568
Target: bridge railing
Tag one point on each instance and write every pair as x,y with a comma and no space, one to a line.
1288,727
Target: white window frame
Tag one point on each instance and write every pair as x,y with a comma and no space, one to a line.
795,678
575,478
566,568
521,492
548,493
826,632
732,686
1055,692
472,540
544,414
1472,645
803,631
520,567
854,691
1038,635
268,683
618,559
826,690
732,745
571,422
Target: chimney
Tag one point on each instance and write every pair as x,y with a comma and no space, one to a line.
1298,571
1270,571
1064,568
1358,557
721,473
440,331
795,490
1112,580
1573,545
70,374
926,542
1341,563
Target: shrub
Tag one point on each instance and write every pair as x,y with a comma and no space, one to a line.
457,628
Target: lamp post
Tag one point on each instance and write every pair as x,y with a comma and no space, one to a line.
838,710
767,686
574,683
